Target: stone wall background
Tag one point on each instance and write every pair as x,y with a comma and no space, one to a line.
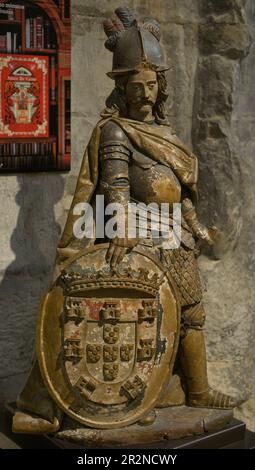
211,49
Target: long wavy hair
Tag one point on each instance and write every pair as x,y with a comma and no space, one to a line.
116,101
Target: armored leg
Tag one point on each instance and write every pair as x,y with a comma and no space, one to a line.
183,267
193,362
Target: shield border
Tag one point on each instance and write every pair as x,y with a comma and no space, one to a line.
43,350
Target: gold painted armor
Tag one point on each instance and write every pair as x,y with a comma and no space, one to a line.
126,174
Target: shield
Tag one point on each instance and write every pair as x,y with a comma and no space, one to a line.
107,340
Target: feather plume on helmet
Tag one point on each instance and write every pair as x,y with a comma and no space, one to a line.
133,43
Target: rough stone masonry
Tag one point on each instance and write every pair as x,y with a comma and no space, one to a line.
210,44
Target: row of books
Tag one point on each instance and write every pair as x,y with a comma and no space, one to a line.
53,79
10,42
28,148
39,33
68,137
27,163
11,12
67,116
38,36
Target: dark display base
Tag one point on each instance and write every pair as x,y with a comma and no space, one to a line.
233,436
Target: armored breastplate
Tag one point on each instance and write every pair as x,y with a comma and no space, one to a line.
151,181
143,178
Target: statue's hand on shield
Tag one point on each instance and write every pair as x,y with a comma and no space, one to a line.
118,248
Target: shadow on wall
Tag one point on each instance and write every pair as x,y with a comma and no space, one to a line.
34,243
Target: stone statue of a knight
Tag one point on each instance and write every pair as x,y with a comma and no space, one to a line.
120,333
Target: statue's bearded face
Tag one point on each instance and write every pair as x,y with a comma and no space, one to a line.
142,91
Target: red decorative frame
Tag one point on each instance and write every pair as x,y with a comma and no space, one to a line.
24,96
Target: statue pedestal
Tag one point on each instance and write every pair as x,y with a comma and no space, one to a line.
171,423
233,435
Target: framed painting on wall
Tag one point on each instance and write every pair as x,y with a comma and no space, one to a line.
35,85
24,96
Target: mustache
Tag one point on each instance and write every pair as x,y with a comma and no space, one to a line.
145,101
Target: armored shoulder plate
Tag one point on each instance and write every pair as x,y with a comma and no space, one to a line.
112,134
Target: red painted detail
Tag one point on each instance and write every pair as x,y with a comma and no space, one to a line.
94,308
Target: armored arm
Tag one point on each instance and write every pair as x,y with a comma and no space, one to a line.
114,158
190,216
114,154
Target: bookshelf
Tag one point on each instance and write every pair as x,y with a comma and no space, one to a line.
40,29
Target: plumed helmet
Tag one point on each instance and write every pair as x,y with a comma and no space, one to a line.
133,44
